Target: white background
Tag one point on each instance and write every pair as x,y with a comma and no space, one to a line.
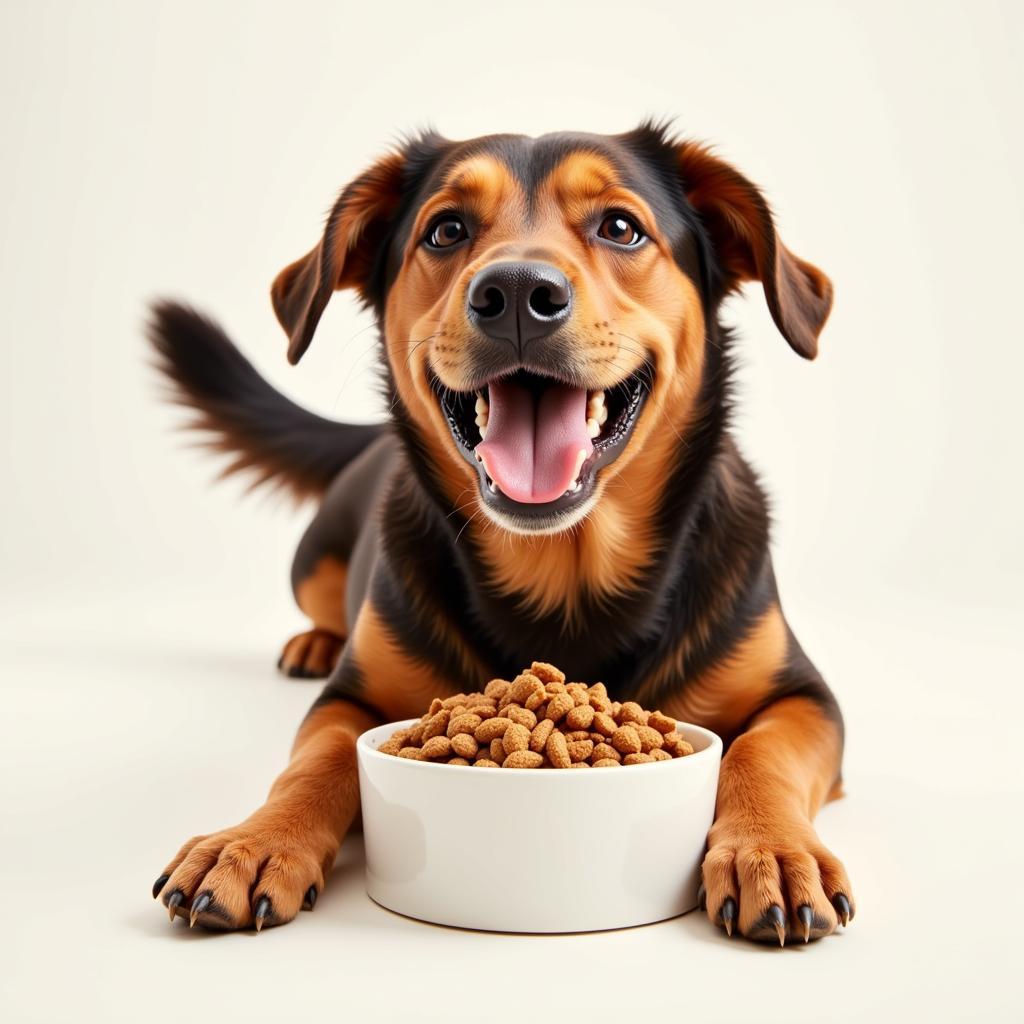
191,149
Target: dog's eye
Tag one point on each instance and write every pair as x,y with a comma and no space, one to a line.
621,230
446,232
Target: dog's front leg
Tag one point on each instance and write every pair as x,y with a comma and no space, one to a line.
264,870
766,872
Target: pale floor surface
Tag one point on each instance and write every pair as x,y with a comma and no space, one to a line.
126,729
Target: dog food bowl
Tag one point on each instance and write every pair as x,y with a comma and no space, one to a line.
536,850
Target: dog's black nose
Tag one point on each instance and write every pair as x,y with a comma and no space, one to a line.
519,301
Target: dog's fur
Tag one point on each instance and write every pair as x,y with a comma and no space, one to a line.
416,586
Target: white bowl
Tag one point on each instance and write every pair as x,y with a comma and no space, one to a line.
536,850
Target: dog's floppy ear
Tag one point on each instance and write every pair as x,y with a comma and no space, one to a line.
740,224
346,256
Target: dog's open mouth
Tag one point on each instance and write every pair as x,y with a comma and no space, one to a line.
538,442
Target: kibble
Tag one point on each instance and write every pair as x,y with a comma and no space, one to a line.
637,759
536,700
539,736
463,723
632,712
523,759
558,750
521,716
523,686
516,738
547,673
538,720
496,689
437,746
491,729
464,745
580,717
649,739
581,750
626,740
437,724
559,706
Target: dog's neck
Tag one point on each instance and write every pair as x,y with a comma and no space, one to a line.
610,552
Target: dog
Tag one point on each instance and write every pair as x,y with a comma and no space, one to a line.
556,481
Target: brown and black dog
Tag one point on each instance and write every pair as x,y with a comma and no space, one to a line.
557,481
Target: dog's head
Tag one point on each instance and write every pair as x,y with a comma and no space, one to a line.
545,302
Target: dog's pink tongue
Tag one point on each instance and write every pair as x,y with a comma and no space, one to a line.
533,444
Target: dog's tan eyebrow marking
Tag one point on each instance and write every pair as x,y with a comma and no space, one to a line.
479,175
480,184
582,176
584,180
485,182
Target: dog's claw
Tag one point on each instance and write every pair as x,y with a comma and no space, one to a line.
842,905
778,919
803,912
262,911
702,897
198,907
728,914
311,897
159,884
176,898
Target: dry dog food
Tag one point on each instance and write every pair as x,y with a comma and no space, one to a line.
538,720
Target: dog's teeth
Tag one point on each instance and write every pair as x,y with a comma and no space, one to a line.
482,410
602,414
492,487
593,428
481,415
580,459
575,487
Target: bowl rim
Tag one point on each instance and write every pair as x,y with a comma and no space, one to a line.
364,750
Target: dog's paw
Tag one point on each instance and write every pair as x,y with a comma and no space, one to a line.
256,874
311,655
773,882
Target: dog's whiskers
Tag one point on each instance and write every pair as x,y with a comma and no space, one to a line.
459,508
354,366
465,524
415,344
457,497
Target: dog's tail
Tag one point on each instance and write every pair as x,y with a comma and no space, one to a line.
267,435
